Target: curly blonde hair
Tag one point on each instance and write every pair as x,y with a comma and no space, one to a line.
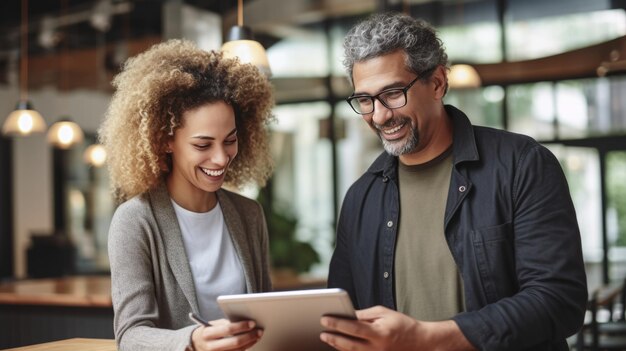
155,88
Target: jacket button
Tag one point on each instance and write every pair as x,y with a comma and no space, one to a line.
386,275
385,179
390,224
462,188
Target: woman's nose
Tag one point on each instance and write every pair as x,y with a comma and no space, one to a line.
220,157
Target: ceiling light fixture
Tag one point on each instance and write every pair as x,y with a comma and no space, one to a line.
95,155
241,44
25,119
463,76
65,134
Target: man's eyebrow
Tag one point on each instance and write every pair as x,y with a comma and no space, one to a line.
388,86
206,137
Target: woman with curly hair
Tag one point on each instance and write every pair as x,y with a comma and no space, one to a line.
182,123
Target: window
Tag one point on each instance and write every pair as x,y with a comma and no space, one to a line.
482,106
531,110
616,212
302,54
303,175
531,37
582,169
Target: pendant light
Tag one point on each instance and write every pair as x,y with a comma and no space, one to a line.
241,44
95,155
463,76
65,134
25,119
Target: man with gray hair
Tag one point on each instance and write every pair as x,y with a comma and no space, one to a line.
457,237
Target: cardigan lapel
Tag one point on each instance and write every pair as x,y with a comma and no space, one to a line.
169,230
232,217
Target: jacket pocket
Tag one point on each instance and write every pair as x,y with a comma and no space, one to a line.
495,259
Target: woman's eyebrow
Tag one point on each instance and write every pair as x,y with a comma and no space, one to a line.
206,137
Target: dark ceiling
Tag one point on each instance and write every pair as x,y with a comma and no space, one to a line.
10,9
143,19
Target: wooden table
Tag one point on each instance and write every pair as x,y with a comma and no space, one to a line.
77,344
39,310
79,291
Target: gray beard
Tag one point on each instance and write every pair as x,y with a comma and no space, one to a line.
401,147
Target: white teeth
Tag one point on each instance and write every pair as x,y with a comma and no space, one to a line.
213,173
393,130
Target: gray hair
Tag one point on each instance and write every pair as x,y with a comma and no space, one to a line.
385,33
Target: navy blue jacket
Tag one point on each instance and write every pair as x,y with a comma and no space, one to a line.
510,226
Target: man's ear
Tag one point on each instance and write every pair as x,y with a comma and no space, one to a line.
440,81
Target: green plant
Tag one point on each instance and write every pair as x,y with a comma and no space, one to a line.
286,251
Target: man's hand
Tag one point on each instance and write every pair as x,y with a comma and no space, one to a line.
379,328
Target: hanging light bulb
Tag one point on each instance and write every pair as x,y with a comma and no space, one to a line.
95,155
65,134
463,76
24,120
240,44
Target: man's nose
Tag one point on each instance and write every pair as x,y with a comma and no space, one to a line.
381,113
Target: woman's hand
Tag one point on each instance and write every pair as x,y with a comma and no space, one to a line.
224,335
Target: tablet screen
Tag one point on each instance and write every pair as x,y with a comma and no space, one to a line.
290,319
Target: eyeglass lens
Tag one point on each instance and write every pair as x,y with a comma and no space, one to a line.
392,98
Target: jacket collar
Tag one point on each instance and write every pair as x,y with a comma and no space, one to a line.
463,145
463,140
173,241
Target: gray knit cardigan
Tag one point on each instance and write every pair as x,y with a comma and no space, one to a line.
152,286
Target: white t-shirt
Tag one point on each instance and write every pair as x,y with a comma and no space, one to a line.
214,262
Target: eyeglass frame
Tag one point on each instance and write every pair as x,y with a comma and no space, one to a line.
377,96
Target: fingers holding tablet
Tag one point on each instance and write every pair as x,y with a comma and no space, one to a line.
224,335
290,319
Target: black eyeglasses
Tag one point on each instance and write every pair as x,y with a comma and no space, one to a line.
390,98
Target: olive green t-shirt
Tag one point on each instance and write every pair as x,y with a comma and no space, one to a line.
427,281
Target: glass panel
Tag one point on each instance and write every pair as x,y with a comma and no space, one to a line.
337,34
616,213
88,208
591,107
302,54
539,37
482,106
302,181
582,169
357,147
476,42
531,110
573,108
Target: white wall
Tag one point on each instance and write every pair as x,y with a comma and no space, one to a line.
32,160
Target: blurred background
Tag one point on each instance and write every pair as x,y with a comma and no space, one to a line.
554,70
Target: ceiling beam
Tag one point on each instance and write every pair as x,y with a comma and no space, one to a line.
575,64
91,68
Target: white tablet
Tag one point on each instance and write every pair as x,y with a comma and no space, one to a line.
290,319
